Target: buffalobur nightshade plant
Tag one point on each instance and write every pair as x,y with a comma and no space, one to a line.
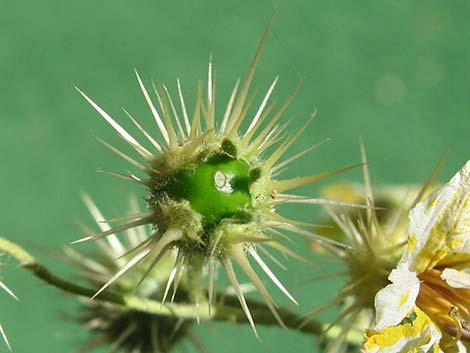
426,307
374,239
412,282
212,187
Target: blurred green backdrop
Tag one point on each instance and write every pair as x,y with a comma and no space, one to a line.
396,73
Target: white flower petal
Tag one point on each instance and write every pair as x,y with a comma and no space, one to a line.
395,301
440,224
417,335
456,278
460,348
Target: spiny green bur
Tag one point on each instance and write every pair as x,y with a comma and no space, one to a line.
217,188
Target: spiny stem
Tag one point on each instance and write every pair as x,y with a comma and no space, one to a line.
43,273
228,310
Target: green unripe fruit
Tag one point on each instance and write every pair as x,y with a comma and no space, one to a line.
217,188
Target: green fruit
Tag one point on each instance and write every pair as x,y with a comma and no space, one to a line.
216,189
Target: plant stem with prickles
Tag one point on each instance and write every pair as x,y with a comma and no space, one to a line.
229,311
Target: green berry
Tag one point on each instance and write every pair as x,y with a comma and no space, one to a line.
216,189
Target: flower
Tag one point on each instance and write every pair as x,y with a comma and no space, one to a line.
116,325
427,305
212,191
370,242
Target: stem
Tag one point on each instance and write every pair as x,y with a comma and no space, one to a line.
228,311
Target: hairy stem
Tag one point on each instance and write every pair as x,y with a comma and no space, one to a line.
227,311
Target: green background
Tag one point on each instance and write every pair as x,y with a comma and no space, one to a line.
394,72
